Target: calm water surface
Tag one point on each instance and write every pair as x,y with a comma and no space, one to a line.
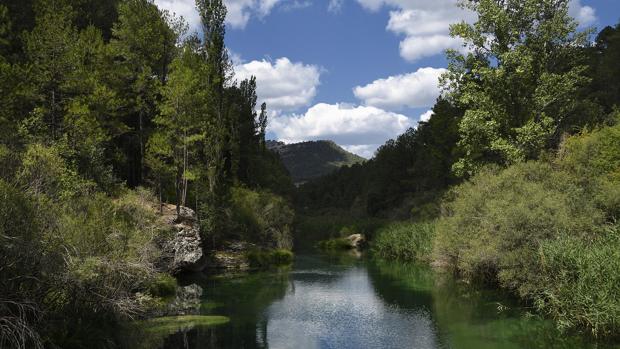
346,302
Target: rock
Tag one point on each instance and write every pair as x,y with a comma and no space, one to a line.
356,240
185,251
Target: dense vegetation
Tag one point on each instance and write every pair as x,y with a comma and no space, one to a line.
310,160
513,182
101,99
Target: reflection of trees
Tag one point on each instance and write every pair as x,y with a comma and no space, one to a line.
242,298
467,317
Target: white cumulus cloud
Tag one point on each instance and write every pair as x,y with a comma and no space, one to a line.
585,15
413,90
426,116
425,24
283,85
239,11
360,129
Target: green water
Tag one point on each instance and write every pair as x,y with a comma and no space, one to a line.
346,302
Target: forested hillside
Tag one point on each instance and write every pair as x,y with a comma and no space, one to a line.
309,160
513,182
109,109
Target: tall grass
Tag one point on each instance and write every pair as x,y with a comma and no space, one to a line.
579,284
405,241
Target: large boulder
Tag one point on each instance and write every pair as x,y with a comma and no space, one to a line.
356,240
184,252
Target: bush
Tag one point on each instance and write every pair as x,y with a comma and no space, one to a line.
493,228
335,244
262,217
547,231
405,241
267,258
593,157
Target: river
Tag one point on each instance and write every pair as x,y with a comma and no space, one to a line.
344,301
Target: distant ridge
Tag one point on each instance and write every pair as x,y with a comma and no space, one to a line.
309,160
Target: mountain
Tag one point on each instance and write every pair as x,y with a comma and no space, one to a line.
308,160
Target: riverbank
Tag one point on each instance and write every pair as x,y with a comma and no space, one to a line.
347,301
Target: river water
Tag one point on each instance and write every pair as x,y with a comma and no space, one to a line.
344,301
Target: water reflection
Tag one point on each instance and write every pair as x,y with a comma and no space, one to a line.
346,314
348,302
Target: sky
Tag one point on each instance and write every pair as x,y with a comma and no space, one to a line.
358,72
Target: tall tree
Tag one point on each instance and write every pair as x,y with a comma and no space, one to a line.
172,148
262,125
216,147
144,43
518,82
48,47
606,69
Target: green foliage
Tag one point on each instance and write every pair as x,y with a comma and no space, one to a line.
405,241
333,225
578,283
20,257
164,285
269,258
605,54
545,231
97,95
593,158
518,82
335,244
496,222
411,170
262,217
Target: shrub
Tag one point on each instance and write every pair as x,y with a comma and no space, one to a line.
267,258
262,217
282,257
593,157
493,228
334,244
404,241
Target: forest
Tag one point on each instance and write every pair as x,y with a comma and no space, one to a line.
110,109
114,113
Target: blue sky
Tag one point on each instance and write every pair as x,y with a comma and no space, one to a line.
355,71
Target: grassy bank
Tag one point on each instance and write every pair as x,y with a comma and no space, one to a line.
545,230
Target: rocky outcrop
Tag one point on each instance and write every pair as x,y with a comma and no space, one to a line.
184,252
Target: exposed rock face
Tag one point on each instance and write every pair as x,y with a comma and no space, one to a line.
184,252
356,240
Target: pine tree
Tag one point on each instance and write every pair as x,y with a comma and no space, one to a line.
173,147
